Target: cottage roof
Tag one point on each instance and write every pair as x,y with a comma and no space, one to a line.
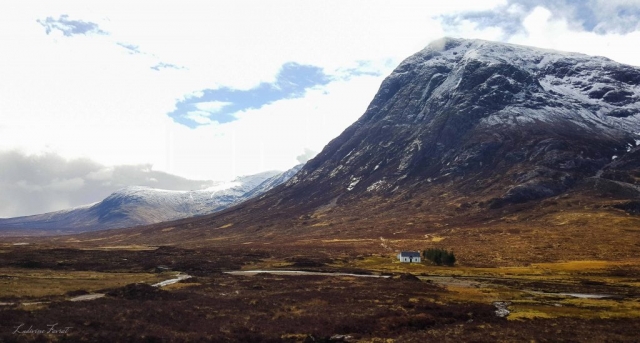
410,254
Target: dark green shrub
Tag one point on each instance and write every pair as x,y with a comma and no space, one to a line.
439,256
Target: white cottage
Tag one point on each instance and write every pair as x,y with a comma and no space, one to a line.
409,256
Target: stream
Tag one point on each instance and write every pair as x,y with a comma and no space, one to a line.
164,283
436,279
179,278
442,280
575,295
94,296
301,272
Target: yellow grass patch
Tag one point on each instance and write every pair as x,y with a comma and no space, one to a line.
607,308
574,265
464,294
345,240
526,312
180,285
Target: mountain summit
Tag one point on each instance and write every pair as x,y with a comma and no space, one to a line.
465,139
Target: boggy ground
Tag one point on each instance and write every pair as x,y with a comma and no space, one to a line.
417,303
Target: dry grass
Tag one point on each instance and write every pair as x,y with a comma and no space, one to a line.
40,283
216,306
516,254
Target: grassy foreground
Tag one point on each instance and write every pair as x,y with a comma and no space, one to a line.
418,302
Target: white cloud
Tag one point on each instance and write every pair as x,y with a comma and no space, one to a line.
306,155
200,117
212,106
472,30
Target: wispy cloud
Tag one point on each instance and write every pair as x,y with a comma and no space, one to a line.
163,65
70,27
132,49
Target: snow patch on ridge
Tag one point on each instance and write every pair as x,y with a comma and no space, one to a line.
377,186
353,183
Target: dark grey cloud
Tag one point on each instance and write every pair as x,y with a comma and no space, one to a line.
70,27
599,16
33,184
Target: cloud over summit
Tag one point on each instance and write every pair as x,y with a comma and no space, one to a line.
598,16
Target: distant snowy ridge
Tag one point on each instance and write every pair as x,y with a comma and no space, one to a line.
137,205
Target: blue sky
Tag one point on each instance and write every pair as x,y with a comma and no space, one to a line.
219,105
214,90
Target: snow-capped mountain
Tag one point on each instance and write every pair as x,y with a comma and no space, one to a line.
496,119
462,130
134,206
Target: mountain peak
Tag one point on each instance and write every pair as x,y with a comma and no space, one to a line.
463,109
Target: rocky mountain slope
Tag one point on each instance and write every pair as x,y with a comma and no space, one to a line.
133,206
466,141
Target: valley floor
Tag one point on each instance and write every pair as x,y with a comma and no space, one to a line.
590,301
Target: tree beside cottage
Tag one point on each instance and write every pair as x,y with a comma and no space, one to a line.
440,256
